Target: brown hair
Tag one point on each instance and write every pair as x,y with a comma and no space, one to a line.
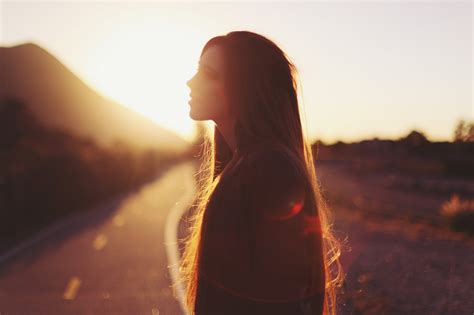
261,87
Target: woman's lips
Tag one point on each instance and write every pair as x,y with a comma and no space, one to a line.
193,99
191,95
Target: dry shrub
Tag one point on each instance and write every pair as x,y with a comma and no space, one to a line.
459,213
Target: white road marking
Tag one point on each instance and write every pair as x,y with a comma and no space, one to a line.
71,288
171,231
99,242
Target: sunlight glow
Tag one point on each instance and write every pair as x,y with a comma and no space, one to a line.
145,67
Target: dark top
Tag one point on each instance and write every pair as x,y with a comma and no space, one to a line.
216,301
261,246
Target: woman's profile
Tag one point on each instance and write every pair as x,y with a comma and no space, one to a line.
260,240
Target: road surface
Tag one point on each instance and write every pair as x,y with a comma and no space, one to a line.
110,261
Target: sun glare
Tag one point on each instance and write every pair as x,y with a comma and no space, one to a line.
145,67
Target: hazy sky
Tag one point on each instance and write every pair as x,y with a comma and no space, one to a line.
373,68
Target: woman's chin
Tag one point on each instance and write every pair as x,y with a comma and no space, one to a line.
194,116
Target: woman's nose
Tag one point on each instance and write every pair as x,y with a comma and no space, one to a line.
188,83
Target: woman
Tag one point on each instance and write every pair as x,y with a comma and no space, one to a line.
260,239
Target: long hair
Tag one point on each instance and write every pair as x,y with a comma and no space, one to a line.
260,82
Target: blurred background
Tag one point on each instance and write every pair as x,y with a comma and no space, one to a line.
98,154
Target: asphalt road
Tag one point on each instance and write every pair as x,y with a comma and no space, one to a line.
119,259
110,261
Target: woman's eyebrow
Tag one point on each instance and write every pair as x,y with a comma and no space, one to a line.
208,67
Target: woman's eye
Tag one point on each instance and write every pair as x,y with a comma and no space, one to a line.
207,74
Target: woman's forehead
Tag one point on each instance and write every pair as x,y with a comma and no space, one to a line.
212,59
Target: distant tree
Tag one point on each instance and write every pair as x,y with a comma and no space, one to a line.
464,131
415,137
319,142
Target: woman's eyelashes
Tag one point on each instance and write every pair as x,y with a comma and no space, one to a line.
206,73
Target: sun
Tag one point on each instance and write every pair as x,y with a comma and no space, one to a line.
145,66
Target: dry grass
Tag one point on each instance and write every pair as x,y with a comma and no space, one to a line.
459,213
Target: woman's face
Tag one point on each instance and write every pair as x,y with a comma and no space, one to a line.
208,100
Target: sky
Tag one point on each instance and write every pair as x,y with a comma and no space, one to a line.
366,68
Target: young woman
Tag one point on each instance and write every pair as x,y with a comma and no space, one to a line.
260,240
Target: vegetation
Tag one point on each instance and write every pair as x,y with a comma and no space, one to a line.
464,131
46,174
417,164
412,154
460,214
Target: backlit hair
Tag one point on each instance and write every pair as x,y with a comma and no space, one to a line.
262,91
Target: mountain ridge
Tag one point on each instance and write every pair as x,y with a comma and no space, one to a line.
70,104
